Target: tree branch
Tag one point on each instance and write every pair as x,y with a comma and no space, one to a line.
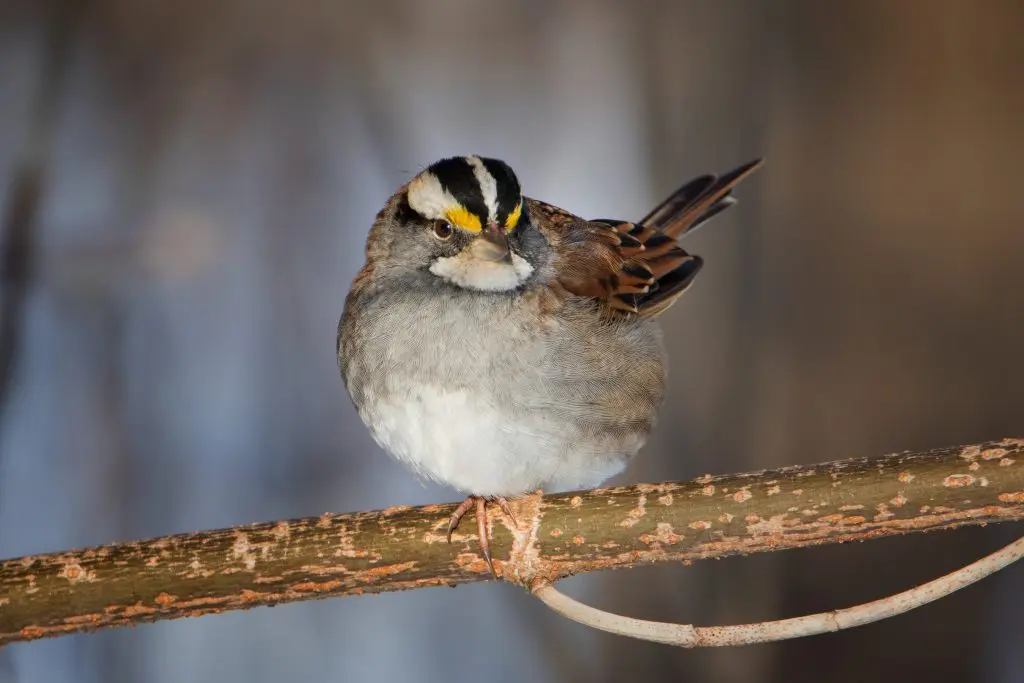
403,548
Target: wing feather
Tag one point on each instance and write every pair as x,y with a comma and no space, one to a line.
636,268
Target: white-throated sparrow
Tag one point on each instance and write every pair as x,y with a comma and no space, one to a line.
499,344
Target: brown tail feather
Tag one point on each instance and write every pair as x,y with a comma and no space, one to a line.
697,202
674,269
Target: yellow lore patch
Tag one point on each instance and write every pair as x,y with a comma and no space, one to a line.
462,218
513,218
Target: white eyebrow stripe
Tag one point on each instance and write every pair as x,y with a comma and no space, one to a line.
428,198
488,186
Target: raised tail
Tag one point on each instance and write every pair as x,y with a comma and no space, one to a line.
696,202
672,269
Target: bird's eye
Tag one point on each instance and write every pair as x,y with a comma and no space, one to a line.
442,229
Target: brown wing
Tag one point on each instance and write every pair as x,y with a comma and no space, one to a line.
635,268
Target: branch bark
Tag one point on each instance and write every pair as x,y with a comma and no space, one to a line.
404,548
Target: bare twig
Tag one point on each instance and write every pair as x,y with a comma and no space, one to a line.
687,635
404,548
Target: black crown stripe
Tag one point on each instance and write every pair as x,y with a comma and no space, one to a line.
509,192
457,177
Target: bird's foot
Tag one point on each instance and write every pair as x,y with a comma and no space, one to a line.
481,521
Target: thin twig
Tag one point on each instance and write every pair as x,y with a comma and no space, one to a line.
689,636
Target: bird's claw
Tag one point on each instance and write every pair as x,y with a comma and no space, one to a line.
460,512
481,522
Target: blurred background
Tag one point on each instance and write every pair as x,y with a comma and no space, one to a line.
185,190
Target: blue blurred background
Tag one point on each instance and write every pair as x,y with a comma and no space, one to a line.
185,189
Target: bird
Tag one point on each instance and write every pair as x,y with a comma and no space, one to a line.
499,344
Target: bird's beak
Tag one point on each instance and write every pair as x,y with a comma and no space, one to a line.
492,245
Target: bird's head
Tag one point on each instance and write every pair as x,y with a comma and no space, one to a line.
465,220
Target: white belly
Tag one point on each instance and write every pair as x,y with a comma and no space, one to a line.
459,438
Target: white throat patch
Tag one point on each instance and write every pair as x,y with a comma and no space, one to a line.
471,272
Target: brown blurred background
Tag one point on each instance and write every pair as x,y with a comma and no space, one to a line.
186,188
